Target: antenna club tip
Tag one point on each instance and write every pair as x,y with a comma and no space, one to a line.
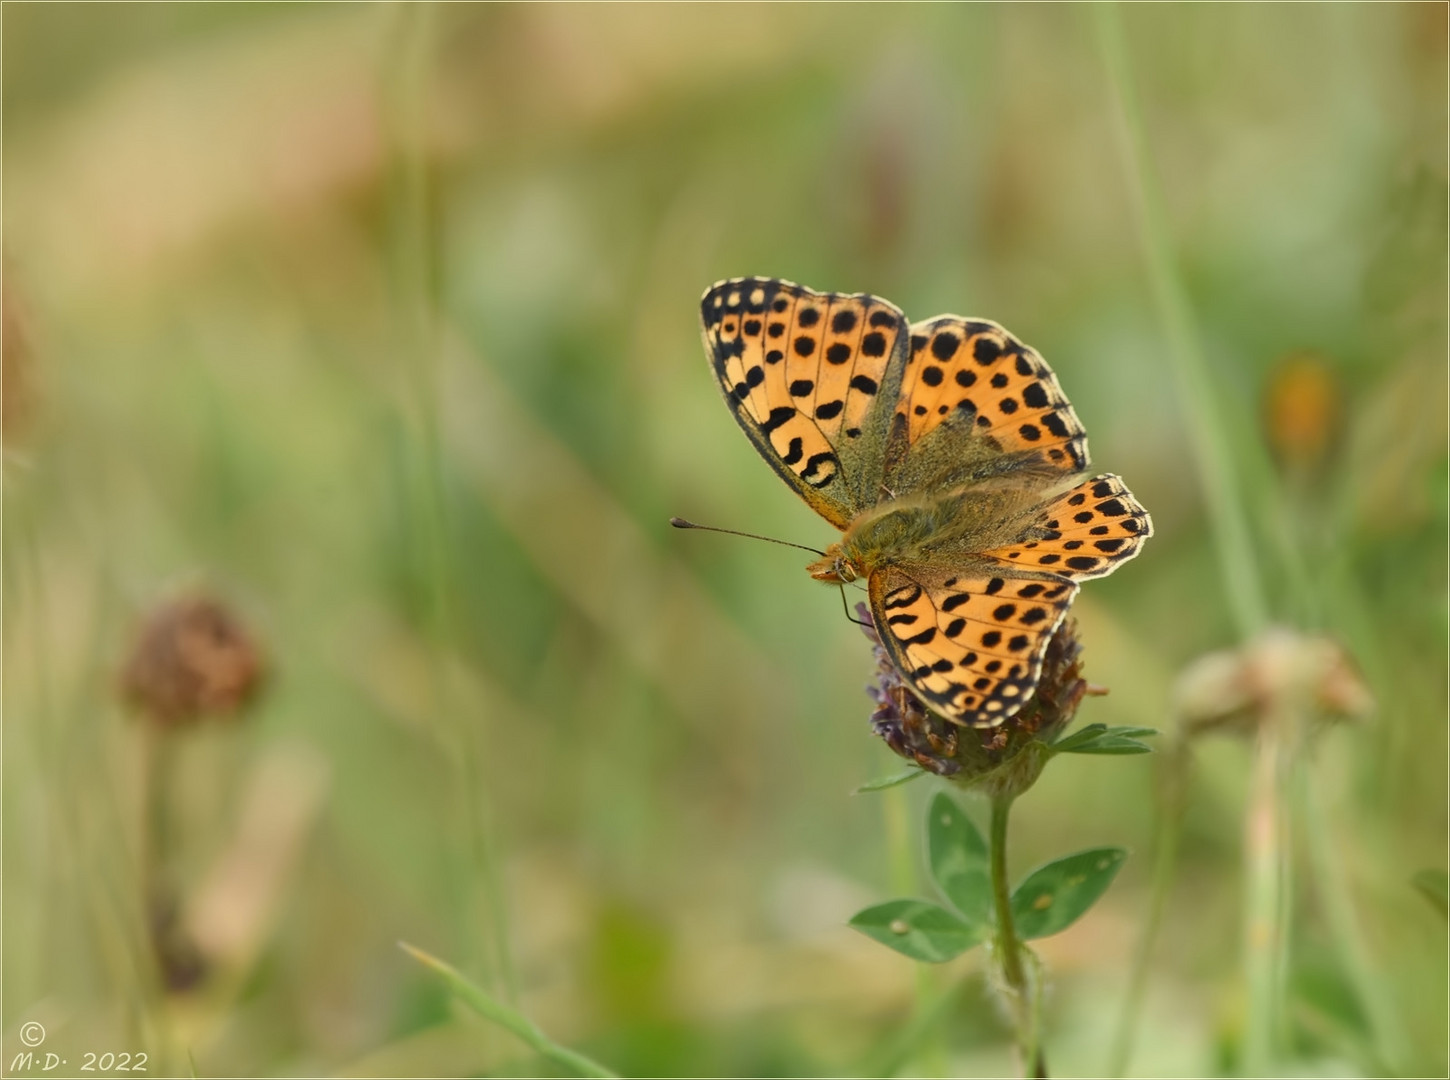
681,523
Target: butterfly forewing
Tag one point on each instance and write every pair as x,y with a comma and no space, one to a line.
803,373
1087,532
972,368
970,645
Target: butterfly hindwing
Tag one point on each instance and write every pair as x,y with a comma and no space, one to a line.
812,379
1086,532
973,367
970,645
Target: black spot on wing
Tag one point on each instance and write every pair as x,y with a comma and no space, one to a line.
778,416
829,410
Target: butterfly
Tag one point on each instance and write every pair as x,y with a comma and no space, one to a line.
948,456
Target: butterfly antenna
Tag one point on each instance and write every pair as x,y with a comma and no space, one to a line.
681,523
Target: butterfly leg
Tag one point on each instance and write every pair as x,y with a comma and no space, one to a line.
846,605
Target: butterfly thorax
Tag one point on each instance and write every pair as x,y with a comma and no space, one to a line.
917,531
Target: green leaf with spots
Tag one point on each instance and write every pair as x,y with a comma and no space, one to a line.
958,857
1431,884
918,929
1101,739
881,783
1055,896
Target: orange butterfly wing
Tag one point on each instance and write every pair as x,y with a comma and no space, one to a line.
812,378
970,645
1086,532
974,367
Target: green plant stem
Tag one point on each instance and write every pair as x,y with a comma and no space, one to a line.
507,1018
1021,990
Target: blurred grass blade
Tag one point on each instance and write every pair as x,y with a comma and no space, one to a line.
1237,563
881,783
1056,895
506,1017
1431,884
903,1045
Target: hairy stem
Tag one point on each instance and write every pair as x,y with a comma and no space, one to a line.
1021,989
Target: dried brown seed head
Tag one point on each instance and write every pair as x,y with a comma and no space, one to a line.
192,658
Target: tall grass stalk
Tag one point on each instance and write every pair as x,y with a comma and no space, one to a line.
116,922
412,257
1266,856
1227,520
509,1019
1172,772
1331,886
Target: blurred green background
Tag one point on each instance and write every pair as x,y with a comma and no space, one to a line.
380,322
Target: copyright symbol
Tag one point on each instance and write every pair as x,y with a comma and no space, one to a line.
31,1033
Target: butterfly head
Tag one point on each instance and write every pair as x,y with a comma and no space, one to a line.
834,567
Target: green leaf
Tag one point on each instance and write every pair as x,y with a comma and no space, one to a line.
475,998
1107,745
1431,884
881,783
918,929
1055,896
1101,739
1087,733
958,857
